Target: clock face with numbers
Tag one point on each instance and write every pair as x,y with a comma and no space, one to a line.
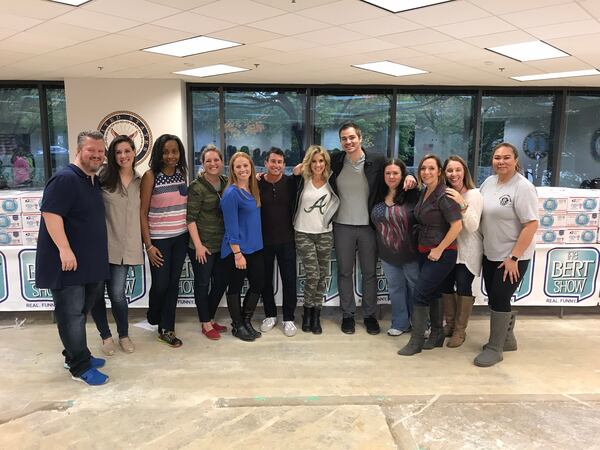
130,124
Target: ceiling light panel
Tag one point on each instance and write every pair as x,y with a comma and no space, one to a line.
406,5
550,76
390,68
529,51
193,46
211,71
71,2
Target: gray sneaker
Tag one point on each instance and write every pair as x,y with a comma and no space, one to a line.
289,328
268,323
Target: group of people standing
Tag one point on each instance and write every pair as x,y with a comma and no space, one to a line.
432,241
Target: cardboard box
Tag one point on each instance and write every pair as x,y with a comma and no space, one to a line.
549,236
589,204
10,238
581,235
582,219
552,204
30,204
10,204
553,220
31,222
29,238
10,222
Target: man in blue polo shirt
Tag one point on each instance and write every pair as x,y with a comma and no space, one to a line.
72,252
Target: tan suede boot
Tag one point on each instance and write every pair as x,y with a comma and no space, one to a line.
450,313
463,312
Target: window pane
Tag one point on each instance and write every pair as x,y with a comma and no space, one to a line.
21,152
439,124
580,159
370,112
255,121
205,122
524,121
57,127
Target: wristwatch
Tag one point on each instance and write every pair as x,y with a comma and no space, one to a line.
464,206
514,258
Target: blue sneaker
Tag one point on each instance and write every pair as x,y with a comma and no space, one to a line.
95,363
92,377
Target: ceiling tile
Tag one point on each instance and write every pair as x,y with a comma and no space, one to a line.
194,23
416,37
140,10
5,32
383,25
287,44
439,48
295,6
156,34
96,20
478,27
365,45
559,64
508,6
591,6
570,12
18,23
497,39
445,13
566,29
284,58
246,35
8,57
62,30
289,24
331,36
587,43
239,11
35,9
340,13
182,4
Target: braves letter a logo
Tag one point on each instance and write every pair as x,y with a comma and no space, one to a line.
320,204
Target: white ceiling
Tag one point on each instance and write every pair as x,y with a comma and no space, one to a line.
298,41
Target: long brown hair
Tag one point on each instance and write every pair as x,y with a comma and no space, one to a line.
441,178
252,183
467,179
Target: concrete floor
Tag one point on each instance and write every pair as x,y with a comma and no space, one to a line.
332,391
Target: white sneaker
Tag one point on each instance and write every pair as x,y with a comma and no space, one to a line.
268,323
289,328
394,332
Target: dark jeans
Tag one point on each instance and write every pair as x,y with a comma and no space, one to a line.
213,274
162,301
462,279
71,305
432,275
286,260
348,239
255,271
500,292
118,303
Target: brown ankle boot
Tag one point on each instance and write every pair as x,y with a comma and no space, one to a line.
463,312
449,313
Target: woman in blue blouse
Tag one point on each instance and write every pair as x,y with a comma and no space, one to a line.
242,244
439,223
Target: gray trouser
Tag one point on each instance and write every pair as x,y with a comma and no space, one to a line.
348,239
314,250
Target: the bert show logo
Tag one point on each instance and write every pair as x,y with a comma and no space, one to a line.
571,273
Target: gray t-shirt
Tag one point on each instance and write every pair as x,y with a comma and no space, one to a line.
506,207
353,190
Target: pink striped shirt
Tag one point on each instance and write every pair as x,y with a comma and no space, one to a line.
166,217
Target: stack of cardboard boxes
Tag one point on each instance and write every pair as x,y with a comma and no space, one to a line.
568,216
20,217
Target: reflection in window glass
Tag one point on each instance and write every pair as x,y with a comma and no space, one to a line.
57,127
370,112
255,121
205,123
580,159
526,122
438,124
21,152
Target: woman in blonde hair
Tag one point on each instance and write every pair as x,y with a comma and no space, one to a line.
316,203
242,244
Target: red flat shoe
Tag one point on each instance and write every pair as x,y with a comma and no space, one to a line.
219,328
212,334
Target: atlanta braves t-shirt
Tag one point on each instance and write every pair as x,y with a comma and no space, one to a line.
313,205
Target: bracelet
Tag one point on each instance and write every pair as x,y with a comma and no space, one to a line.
237,253
148,248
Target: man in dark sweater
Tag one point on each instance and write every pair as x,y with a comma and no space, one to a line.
277,196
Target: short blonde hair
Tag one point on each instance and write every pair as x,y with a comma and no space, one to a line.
252,183
308,156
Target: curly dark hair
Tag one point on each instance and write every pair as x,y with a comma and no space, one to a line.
156,157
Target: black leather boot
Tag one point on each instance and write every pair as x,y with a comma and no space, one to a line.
316,321
250,303
307,319
237,326
436,315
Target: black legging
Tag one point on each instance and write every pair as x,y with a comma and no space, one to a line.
255,271
500,292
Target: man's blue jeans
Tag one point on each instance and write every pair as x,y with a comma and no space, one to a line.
402,280
71,305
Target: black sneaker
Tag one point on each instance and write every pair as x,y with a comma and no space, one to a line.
372,325
169,338
348,325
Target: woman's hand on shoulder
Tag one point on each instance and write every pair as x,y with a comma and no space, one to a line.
455,195
297,169
410,182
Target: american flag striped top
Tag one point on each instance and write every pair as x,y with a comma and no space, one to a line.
168,204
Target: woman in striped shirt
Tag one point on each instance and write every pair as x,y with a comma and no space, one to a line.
164,231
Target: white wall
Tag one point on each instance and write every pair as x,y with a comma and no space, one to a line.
161,103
